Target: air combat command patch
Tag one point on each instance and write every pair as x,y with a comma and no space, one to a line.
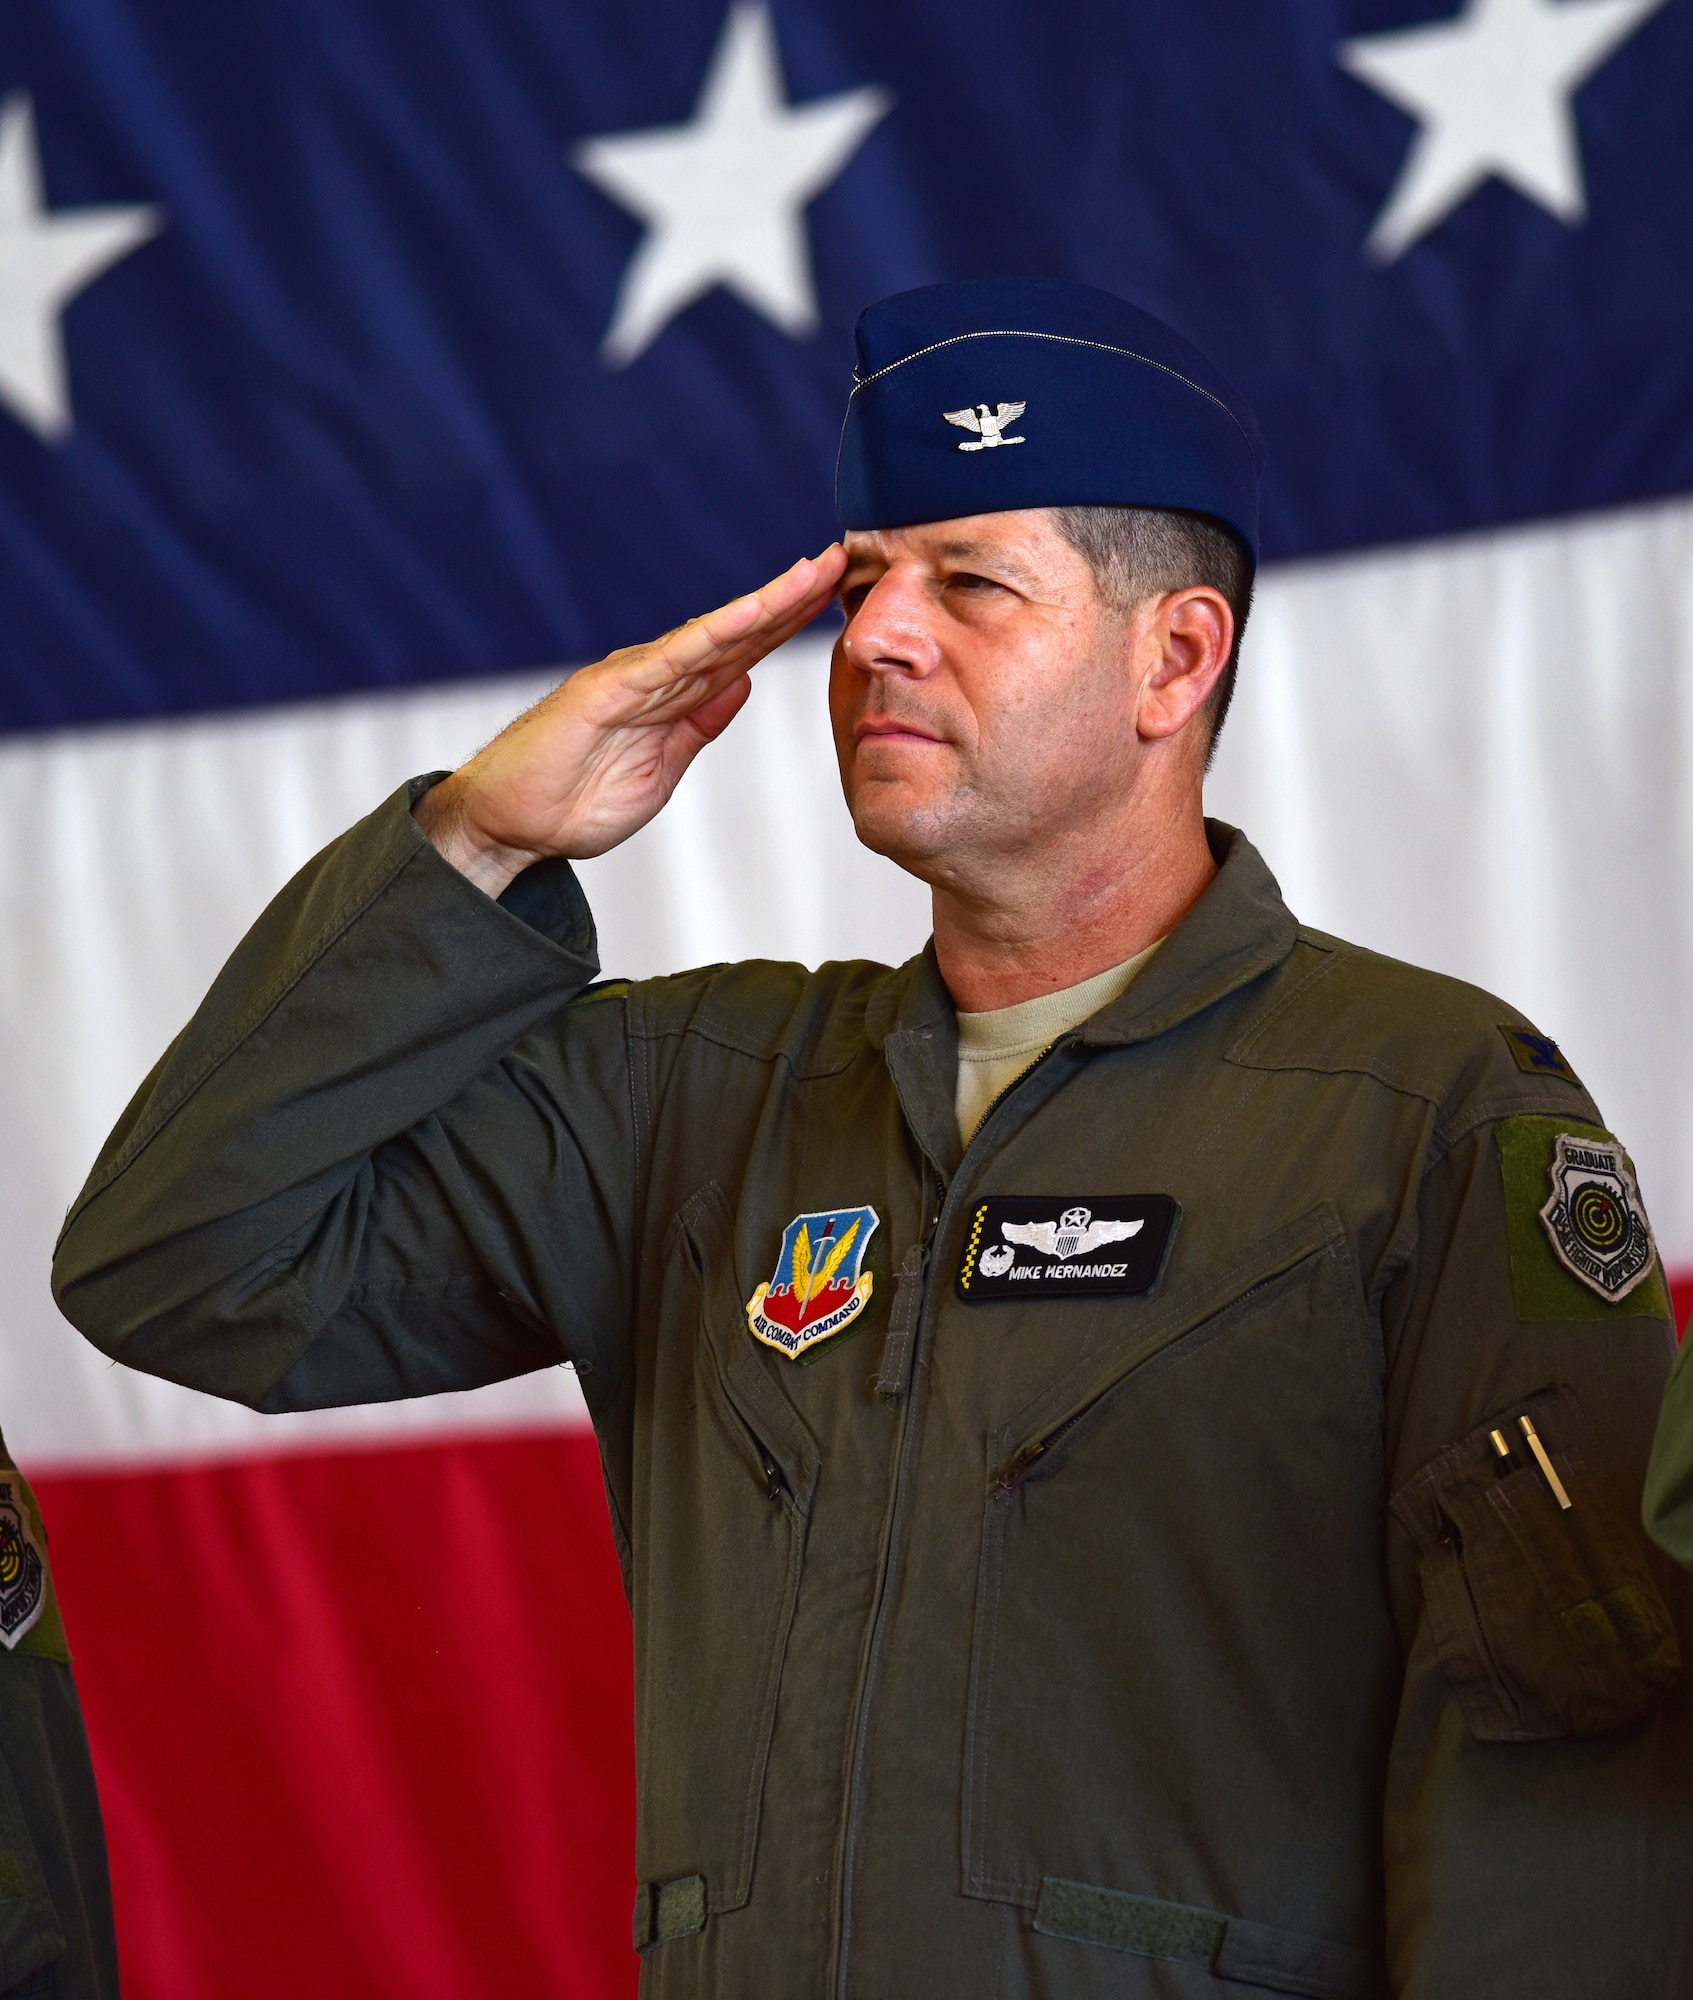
819,1283
1581,1245
23,1573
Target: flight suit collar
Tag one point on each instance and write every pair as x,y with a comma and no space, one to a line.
1239,929
914,1019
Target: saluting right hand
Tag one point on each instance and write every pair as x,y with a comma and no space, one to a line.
595,760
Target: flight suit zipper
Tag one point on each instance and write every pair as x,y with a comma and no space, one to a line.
1022,1462
947,1203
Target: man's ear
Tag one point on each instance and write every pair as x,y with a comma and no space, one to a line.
1185,643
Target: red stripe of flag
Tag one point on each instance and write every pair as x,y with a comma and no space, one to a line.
362,1721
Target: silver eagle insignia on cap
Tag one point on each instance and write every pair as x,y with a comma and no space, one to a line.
988,424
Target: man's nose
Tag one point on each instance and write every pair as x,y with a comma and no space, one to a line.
893,629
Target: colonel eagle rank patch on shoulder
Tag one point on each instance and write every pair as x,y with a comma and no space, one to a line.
1536,1055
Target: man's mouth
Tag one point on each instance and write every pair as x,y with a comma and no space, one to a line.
893,729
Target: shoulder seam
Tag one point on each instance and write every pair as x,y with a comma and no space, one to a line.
1401,1086
1338,952
1490,1110
720,1037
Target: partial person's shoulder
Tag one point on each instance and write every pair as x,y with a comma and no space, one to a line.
766,1009
1339,1007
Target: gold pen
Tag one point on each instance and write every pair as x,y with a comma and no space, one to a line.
1526,1424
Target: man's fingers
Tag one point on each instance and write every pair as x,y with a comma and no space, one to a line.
754,625
811,579
657,684
599,756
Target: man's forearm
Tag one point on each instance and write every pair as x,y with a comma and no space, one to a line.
214,1239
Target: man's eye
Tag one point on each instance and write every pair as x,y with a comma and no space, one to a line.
968,580
852,597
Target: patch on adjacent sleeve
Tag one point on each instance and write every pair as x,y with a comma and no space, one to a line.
1581,1246
1535,1054
29,1608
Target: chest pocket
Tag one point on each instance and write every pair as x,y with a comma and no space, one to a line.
719,1540
1183,1655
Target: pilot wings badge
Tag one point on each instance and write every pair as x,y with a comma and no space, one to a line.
820,1283
1041,1247
989,425
1074,1234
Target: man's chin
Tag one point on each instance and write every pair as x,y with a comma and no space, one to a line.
909,832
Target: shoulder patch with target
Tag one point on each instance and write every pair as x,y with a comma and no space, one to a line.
1580,1243
23,1570
29,1605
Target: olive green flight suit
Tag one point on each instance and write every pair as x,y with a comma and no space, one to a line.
1186,1644
56,1933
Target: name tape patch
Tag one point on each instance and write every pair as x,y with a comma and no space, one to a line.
1065,1246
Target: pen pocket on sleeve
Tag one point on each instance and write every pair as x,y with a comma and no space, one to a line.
1540,1598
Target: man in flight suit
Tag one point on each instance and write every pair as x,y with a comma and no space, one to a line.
1125,1434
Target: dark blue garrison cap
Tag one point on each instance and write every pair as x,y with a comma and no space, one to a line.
980,397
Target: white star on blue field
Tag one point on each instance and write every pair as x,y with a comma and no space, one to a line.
724,196
1491,89
45,260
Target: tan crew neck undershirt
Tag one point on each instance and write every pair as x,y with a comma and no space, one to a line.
994,1049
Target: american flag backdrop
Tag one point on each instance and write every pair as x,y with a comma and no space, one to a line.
366,363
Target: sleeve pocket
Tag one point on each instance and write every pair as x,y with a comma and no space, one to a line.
1547,1618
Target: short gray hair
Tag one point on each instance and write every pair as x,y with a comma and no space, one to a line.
1141,552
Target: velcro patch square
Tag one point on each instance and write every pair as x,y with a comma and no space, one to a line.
1580,1244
